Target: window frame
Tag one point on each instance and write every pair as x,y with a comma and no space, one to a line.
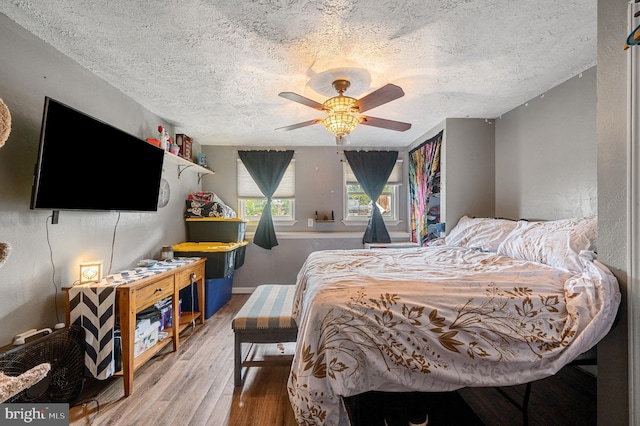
277,220
392,220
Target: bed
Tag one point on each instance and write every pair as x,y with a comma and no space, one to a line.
495,303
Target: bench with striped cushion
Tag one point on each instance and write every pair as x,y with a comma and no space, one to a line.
264,318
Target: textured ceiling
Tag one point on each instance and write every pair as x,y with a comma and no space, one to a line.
214,68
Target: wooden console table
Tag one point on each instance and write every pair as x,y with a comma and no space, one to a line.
132,297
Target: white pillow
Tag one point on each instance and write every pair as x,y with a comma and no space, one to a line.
556,243
485,234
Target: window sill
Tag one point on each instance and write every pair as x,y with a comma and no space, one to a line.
363,222
303,235
275,222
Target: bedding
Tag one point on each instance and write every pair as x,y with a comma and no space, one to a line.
556,243
482,233
437,318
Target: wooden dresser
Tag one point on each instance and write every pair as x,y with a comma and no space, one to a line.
134,296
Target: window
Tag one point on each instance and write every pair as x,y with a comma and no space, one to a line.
358,204
251,202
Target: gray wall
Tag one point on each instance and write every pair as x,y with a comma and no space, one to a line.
319,186
31,295
467,168
546,154
564,155
613,402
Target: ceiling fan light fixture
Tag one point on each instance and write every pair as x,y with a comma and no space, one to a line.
340,104
342,116
344,112
340,124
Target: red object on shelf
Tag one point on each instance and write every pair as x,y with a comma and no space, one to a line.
153,141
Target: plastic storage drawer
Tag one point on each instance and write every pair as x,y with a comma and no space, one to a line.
220,256
239,261
215,229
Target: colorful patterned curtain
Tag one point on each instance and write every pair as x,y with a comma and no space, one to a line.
424,181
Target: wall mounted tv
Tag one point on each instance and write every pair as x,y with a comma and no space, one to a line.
86,164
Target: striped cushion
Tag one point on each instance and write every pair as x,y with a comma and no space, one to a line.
269,308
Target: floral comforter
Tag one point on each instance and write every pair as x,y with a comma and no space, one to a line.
437,319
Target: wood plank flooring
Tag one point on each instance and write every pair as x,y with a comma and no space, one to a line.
194,386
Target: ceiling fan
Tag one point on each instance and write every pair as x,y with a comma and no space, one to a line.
344,113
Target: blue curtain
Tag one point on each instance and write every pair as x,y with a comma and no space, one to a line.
372,169
267,169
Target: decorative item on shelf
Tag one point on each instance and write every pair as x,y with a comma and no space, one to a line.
91,272
153,141
202,159
165,140
5,123
174,149
325,217
185,143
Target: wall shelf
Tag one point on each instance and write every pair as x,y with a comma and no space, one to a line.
321,217
184,164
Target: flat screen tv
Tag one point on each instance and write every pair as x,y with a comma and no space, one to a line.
86,164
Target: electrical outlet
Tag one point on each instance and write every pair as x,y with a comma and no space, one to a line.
310,223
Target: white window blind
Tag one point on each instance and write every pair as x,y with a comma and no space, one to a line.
247,188
395,178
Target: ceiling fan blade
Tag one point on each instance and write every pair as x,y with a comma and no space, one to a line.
398,126
303,124
301,100
381,96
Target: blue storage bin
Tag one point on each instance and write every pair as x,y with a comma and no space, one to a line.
217,292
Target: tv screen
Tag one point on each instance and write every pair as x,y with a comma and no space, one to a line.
85,164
